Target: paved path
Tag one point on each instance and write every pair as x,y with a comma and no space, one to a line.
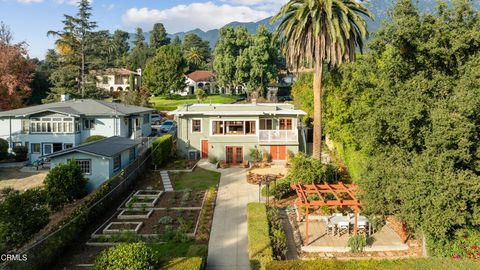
167,185
228,246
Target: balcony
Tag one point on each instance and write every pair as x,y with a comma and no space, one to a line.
278,136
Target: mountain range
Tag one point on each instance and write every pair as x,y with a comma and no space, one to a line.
379,8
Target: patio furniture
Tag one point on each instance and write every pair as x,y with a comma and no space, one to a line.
343,227
362,227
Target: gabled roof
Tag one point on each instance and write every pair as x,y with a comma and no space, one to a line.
79,107
107,147
201,75
114,71
238,109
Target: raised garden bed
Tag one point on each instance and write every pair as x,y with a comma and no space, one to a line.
116,227
178,199
135,214
142,201
145,192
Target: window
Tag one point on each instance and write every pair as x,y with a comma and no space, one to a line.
105,80
217,127
146,119
116,163
47,149
250,127
85,165
25,126
67,145
118,79
266,124
51,125
36,148
196,125
234,127
286,124
137,123
131,154
88,123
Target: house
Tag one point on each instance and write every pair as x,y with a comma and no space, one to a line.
99,160
199,79
118,79
53,127
229,131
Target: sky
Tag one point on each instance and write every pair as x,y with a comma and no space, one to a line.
29,20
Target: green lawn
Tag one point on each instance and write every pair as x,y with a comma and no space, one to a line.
199,179
164,103
404,264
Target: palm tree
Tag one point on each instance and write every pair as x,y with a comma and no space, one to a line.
318,32
194,56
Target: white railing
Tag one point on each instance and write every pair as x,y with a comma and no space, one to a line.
278,136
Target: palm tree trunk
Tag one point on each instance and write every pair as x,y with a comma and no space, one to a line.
317,111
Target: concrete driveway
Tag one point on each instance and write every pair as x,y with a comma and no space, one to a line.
228,246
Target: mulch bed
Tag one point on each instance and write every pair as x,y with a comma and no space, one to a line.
253,178
123,226
177,199
181,165
149,180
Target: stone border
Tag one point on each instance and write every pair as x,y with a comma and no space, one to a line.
200,213
107,229
122,214
142,204
157,193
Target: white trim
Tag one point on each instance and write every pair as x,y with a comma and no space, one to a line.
260,119
257,125
291,118
191,125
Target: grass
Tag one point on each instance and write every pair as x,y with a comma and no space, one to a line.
183,256
165,103
403,264
259,246
199,179
185,263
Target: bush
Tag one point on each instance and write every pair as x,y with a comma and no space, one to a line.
277,235
21,216
357,243
65,183
281,189
410,264
135,256
255,155
21,153
259,245
162,149
3,148
308,170
464,245
265,157
213,160
94,138
185,263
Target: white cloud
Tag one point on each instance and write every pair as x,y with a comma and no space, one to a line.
69,2
205,16
29,1
108,7
269,5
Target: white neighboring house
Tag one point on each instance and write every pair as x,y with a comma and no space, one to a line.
48,128
118,79
203,79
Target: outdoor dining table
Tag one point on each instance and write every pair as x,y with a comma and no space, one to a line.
351,219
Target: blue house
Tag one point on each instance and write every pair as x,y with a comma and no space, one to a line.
99,160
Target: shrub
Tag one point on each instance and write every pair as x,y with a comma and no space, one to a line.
184,263
94,138
3,148
21,153
290,156
165,220
277,235
135,256
22,214
65,183
162,149
265,157
357,243
281,189
309,170
259,245
255,155
464,245
213,160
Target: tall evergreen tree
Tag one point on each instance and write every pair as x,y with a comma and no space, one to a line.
158,37
140,53
122,46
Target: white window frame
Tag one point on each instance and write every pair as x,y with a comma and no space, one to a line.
119,156
257,125
39,148
89,165
191,125
91,125
264,119
293,123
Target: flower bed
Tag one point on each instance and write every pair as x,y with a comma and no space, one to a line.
141,201
135,214
116,227
181,199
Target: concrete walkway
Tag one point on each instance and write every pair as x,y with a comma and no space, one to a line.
228,246
167,185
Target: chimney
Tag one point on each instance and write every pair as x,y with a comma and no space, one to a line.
64,97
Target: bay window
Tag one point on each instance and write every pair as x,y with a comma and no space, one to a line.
51,125
234,127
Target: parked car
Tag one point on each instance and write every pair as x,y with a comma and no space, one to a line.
155,119
167,126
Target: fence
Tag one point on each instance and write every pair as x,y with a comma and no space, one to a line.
42,253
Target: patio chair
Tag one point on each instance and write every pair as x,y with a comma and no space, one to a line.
362,227
331,228
343,227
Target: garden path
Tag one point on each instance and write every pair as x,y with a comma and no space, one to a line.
167,185
228,245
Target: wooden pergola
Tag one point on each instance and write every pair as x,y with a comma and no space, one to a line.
341,195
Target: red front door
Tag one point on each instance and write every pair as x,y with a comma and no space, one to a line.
234,154
204,148
278,152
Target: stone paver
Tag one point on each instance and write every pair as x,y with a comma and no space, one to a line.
167,185
228,245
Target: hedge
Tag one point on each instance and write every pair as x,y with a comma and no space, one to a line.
133,256
184,263
404,264
259,246
162,149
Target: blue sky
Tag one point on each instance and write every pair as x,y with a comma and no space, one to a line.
30,20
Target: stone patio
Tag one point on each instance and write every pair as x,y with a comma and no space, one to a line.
319,241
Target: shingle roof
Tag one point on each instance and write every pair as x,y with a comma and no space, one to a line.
107,147
114,71
85,107
200,75
238,109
